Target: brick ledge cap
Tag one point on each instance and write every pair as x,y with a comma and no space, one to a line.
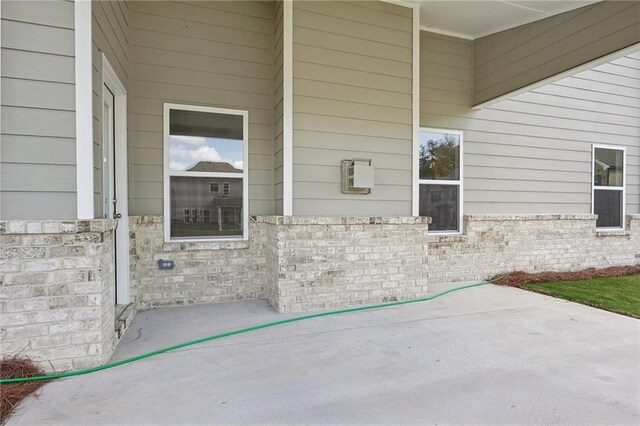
344,220
517,217
16,227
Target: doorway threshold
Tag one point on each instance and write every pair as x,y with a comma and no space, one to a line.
124,317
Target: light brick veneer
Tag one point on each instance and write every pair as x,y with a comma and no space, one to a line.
57,277
57,291
494,244
321,262
205,272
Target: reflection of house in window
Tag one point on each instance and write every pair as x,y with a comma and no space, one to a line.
214,201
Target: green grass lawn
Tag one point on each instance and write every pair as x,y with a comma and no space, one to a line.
615,294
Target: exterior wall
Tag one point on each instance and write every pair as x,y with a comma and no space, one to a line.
110,35
532,153
38,176
204,272
512,59
352,85
57,289
496,244
278,81
322,262
205,53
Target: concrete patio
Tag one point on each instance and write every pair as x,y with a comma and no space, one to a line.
487,355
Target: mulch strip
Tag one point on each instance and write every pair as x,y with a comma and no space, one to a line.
518,279
12,393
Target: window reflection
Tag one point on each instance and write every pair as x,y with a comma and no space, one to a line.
439,156
196,211
608,167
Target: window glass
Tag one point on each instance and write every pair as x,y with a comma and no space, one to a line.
222,216
205,142
608,206
608,167
439,156
440,202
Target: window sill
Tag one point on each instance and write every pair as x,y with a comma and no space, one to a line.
206,245
612,233
447,238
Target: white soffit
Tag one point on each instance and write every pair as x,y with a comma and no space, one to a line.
475,19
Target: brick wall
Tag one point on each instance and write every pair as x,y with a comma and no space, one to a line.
493,244
57,291
303,263
57,277
320,262
205,272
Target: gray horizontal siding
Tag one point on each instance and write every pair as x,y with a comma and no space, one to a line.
218,54
37,152
529,53
110,35
352,69
532,153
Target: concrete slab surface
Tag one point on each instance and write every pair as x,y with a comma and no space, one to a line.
486,355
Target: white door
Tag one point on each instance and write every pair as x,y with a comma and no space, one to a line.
114,174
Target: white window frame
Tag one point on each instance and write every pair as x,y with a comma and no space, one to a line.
167,173
459,183
610,188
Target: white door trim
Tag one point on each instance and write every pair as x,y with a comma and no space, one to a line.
111,80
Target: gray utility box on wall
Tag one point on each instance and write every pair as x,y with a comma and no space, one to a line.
357,176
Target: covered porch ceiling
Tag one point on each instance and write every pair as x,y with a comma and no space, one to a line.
479,18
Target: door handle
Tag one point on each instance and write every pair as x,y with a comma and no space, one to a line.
117,215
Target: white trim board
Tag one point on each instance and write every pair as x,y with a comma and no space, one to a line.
446,33
84,110
415,102
287,108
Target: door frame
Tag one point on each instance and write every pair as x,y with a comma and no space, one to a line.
111,80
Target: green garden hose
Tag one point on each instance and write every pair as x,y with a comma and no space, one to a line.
235,332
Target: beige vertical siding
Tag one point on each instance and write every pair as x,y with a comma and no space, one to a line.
532,153
515,58
352,70
38,174
110,35
216,54
278,105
